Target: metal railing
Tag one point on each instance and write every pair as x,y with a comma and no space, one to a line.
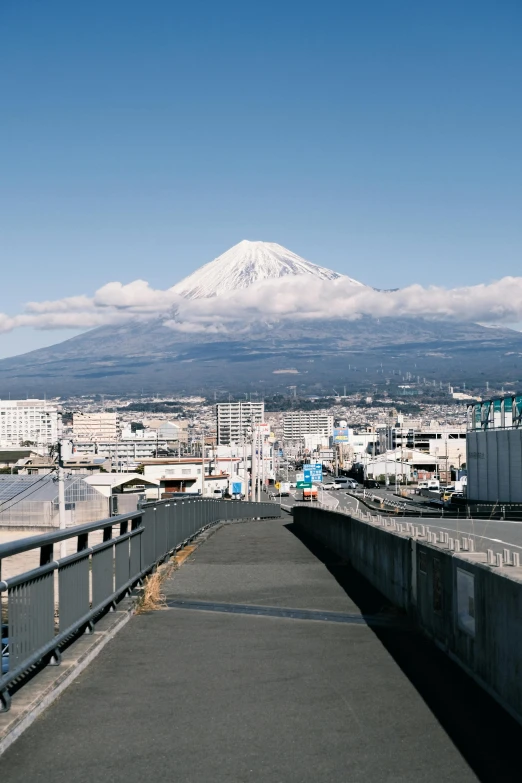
44,608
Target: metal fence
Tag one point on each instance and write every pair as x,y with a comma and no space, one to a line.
40,614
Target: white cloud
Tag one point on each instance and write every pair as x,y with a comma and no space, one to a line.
499,302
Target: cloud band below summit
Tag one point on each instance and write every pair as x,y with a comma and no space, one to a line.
296,297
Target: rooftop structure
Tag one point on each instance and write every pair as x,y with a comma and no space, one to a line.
494,414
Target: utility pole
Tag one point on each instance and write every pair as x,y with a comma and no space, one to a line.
262,471
245,471
203,464
61,498
253,467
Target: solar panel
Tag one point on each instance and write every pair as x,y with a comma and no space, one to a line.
10,486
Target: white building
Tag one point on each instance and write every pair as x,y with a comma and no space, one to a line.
235,420
123,453
95,426
185,475
28,420
363,443
298,424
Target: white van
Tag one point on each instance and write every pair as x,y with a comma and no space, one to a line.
429,484
341,483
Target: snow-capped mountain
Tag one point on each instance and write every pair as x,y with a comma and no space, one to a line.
247,263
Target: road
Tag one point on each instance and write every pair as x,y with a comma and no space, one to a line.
493,534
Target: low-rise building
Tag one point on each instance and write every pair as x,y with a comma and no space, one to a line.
35,466
87,465
10,457
123,490
185,475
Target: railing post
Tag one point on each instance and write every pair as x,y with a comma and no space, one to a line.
46,554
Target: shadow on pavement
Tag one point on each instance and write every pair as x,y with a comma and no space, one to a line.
484,733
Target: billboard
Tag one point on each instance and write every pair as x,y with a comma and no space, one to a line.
341,435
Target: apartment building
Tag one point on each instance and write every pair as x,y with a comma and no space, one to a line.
34,421
122,453
235,420
298,424
95,426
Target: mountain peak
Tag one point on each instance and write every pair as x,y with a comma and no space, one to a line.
247,263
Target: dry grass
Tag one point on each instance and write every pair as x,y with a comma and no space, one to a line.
151,598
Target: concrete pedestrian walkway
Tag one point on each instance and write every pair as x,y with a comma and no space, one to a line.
216,689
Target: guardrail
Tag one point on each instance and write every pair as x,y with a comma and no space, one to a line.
38,619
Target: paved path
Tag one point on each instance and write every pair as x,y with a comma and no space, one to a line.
198,695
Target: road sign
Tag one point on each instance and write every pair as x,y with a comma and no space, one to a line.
313,472
304,484
299,476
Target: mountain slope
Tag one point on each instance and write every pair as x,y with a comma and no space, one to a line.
314,352
152,358
247,263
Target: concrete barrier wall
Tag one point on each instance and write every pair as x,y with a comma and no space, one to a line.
382,556
472,610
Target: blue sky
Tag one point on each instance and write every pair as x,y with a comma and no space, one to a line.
140,140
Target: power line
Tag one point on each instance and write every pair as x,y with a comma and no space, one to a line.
46,476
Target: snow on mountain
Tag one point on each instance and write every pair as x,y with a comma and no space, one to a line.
247,263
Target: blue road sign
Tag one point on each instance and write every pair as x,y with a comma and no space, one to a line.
313,472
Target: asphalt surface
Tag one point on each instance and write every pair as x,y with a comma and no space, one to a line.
197,694
494,534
